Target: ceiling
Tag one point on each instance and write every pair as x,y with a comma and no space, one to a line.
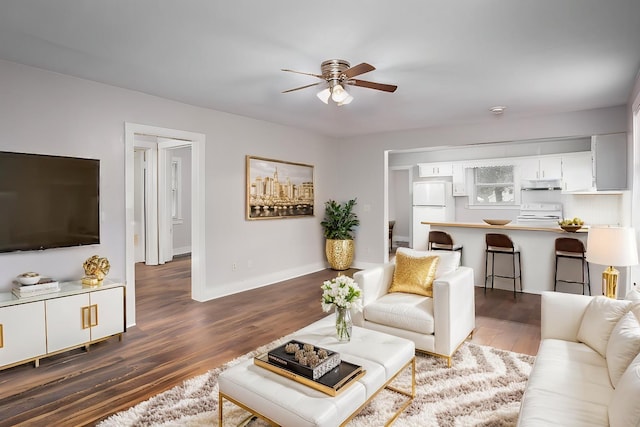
451,60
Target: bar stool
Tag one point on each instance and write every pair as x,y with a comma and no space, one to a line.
439,240
570,248
501,244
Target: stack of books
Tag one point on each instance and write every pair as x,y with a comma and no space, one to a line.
44,286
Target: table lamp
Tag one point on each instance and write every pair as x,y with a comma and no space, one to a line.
612,246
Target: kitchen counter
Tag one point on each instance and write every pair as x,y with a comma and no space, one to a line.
510,226
537,249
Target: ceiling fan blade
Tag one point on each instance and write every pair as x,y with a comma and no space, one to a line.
373,85
356,70
300,72
302,87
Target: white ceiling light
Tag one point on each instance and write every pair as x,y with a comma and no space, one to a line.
346,101
338,94
498,109
324,95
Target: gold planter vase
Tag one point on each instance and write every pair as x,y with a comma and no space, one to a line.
339,253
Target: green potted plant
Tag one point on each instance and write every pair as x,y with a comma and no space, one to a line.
338,224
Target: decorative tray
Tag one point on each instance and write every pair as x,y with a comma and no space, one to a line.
331,383
304,359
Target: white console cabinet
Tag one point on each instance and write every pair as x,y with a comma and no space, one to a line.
76,316
22,333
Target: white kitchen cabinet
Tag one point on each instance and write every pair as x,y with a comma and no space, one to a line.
459,179
81,319
610,161
577,171
542,167
22,333
34,327
435,169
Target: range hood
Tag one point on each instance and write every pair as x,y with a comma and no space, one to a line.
540,184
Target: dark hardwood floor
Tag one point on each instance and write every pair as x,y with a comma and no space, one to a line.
176,338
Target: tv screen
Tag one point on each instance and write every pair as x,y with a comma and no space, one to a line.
48,202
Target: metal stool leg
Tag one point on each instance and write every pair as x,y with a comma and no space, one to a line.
486,269
493,268
513,259
555,276
520,270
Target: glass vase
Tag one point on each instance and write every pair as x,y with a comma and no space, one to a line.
343,324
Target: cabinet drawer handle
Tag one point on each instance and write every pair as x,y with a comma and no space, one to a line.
1,335
94,315
86,318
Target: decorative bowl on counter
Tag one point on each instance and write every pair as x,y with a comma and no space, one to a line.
497,221
571,228
29,278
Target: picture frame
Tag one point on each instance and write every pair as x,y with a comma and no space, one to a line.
278,189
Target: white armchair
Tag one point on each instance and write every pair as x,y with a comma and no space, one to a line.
438,324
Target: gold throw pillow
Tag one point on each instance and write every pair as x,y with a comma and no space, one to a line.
414,275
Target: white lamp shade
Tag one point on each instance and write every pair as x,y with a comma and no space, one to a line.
612,246
324,95
338,94
346,101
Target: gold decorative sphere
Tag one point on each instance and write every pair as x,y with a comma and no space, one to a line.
97,267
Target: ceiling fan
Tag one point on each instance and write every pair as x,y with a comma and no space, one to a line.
336,75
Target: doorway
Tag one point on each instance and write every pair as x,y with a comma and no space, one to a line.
162,205
138,138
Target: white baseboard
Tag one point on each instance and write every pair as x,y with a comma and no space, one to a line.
247,284
181,251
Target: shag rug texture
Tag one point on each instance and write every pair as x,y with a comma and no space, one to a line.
482,388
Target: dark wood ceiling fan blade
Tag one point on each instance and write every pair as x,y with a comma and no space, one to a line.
300,72
301,87
356,70
373,85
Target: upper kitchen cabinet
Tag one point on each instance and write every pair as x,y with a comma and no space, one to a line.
434,169
610,161
577,171
542,167
459,179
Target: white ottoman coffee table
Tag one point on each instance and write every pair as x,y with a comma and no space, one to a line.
285,402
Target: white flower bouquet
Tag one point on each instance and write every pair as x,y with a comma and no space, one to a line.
343,292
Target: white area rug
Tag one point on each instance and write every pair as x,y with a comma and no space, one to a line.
483,388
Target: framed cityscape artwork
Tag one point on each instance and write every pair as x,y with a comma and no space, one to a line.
277,189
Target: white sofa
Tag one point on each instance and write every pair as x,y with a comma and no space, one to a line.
438,324
587,370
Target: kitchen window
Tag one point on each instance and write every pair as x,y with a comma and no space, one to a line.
494,185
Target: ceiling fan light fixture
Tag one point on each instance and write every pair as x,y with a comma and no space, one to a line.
324,95
338,93
347,100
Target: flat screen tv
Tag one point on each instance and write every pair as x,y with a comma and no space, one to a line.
48,202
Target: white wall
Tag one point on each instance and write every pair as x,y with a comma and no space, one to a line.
400,203
368,152
44,112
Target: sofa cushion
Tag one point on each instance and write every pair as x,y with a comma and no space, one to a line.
600,316
623,408
414,275
568,386
449,260
403,311
623,346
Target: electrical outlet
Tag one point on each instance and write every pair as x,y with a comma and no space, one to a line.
250,263
234,266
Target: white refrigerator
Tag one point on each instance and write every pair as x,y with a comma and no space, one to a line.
432,201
